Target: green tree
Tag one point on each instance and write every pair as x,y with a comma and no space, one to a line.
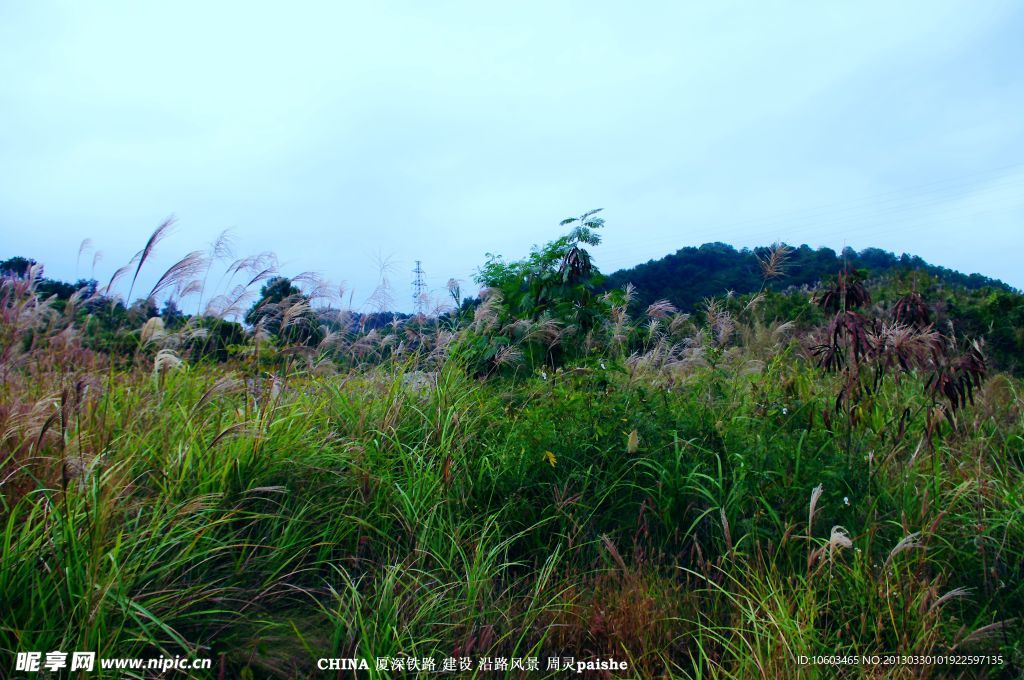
16,266
558,280
283,311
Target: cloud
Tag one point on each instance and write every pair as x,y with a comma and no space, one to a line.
330,133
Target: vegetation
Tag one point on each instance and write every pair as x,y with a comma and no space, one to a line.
694,273
549,472
981,307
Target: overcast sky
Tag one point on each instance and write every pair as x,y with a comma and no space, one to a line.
341,134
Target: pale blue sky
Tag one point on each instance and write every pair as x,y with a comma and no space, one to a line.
337,134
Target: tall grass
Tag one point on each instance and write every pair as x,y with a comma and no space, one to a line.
656,508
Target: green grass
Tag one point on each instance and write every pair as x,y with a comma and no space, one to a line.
268,518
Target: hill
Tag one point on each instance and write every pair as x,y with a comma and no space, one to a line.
692,274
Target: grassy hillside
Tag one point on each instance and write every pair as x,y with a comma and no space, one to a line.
548,474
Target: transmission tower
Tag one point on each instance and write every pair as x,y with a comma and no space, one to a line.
419,290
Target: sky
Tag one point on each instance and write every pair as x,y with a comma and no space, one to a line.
351,138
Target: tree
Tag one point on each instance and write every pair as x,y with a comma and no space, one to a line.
275,291
143,309
16,266
539,309
171,314
284,311
558,280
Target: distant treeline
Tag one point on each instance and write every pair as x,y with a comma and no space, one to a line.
978,306
692,274
104,316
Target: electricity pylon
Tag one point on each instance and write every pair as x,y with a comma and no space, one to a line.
419,290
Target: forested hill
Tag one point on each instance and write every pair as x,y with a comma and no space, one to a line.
691,274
